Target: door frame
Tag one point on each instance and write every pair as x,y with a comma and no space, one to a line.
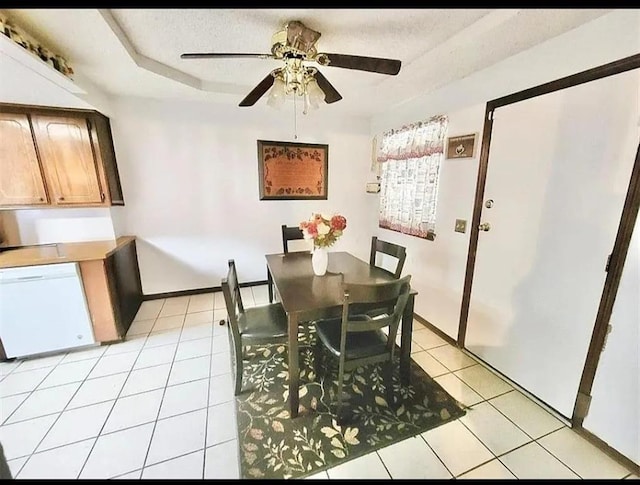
623,236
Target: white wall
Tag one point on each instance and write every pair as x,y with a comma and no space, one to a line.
43,226
438,266
189,173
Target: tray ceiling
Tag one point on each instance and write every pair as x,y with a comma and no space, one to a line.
136,52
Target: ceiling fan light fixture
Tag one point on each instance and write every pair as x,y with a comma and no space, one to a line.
316,95
277,94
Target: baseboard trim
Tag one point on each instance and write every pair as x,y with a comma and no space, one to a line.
197,291
435,330
611,452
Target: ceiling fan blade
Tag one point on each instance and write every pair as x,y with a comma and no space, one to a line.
257,92
230,55
360,63
330,93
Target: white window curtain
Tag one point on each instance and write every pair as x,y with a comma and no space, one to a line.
409,163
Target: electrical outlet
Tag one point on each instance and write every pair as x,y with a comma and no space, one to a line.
461,225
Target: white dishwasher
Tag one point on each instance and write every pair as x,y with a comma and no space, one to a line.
43,309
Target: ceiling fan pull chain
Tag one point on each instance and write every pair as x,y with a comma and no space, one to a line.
295,124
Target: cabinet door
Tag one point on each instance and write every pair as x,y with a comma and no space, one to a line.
21,180
68,159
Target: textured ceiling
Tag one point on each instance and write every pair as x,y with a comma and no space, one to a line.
137,51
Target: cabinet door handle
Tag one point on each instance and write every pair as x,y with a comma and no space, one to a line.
60,198
41,199
102,197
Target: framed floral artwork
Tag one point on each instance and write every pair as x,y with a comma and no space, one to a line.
292,171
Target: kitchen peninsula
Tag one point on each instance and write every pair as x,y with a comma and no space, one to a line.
109,273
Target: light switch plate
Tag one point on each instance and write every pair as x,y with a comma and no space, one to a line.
461,225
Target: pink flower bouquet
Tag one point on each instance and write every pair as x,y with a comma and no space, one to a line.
323,230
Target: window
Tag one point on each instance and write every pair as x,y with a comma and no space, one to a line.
409,162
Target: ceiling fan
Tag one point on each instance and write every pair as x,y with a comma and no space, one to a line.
295,45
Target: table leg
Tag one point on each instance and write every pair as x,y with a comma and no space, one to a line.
294,370
270,285
405,341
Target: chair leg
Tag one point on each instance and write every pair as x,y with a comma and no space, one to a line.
317,359
270,285
388,382
339,397
239,368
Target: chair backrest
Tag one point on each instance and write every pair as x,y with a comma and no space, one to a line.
290,234
391,294
233,299
399,252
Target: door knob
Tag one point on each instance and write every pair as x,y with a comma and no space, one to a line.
485,226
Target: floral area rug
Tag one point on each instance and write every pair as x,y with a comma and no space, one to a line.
274,446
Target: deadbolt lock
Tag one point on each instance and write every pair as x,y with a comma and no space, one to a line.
489,204
485,226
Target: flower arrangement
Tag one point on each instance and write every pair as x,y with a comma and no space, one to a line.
324,230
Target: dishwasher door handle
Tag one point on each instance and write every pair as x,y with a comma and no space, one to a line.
29,278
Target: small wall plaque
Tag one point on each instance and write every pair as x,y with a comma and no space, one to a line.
461,146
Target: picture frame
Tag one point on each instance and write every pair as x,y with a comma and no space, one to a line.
293,171
463,146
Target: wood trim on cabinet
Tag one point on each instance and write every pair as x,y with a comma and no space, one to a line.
98,296
3,354
103,140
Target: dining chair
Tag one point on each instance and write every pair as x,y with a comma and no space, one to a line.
290,234
356,339
258,325
384,247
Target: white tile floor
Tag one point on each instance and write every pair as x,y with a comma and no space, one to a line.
160,405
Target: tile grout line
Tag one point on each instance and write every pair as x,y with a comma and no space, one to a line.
127,427
206,421
436,454
484,400
175,457
15,475
208,404
164,392
111,410
106,375
4,421
36,388
59,412
532,440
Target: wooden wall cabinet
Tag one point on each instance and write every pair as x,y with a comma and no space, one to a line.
21,179
56,157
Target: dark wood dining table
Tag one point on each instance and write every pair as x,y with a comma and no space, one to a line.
306,297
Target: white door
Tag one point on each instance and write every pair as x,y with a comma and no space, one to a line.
558,172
